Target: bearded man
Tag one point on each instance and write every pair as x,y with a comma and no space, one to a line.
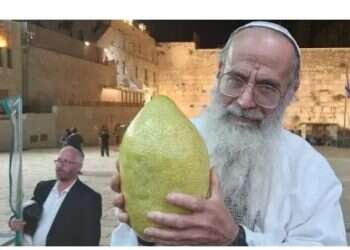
271,187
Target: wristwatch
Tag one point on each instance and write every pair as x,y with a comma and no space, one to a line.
240,238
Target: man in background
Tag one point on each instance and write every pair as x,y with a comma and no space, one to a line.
64,138
104,141
75,140
71,211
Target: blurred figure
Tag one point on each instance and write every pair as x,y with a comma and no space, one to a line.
75,140
65,137
104,141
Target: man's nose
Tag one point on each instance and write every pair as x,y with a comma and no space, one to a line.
246,99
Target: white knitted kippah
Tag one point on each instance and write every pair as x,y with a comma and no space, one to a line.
271,26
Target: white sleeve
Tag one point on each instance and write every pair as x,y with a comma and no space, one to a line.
316,216
123,235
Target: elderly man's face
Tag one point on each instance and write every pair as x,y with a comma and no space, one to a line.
68,165
259,58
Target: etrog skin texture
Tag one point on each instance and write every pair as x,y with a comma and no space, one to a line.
161,152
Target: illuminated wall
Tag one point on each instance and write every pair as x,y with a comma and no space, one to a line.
10,59
134,54
187,76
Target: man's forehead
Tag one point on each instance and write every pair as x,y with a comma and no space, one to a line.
256,42
68,152
274,27
269,46
257,33
264,50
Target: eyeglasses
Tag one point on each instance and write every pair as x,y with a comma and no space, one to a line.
65,162
265,95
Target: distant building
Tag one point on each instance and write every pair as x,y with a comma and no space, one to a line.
66,82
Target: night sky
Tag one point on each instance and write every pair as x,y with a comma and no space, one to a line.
214,33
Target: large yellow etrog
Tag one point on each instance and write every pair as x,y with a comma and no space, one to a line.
161,152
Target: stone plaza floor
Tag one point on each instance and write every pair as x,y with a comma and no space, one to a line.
97,172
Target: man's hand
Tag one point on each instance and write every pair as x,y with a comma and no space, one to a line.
209,223
118,200
16,224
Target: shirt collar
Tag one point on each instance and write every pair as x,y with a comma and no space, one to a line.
66,190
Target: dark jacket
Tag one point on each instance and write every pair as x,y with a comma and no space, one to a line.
104,137
77,222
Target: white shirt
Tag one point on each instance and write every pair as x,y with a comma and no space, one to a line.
50,208
304,205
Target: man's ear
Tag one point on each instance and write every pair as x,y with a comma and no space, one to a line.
80,166
296,85
291,93
220,66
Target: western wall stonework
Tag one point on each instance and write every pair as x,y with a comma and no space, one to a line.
320,98
187,75
57,76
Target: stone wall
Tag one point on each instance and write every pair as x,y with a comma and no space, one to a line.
186,75
64,44
61,79
45,130
11,77
83,30
5,135
58,77
88,120
134,54
38,132
320,98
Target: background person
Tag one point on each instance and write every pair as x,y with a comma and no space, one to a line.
71,210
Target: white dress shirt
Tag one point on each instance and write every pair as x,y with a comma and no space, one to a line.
51,206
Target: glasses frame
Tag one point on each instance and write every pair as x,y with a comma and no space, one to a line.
64,162
221,76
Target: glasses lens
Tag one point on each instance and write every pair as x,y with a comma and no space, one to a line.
266,96
229,86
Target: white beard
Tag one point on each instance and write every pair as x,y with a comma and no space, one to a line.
243,156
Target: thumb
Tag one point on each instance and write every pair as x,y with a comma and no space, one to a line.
215,187
115,184
118,166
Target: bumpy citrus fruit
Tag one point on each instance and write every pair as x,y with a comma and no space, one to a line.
161,152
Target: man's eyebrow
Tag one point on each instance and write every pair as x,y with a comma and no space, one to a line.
264,80
269,81
236,73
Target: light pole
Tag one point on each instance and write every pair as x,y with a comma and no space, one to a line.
26,37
